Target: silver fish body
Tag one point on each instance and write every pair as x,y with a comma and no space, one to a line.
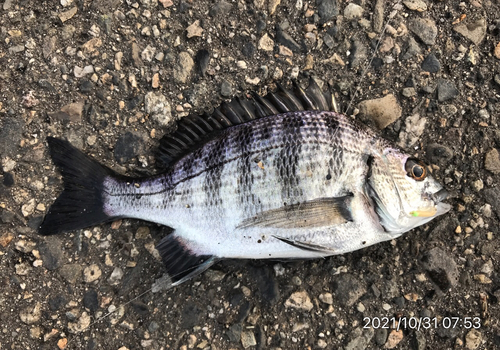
298,184
272,163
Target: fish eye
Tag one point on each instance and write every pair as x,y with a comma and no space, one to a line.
415,169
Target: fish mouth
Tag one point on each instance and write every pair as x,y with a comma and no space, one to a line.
439,209
440,195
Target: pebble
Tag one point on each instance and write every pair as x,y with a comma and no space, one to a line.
327,9
309,62
158,107
6,238
285,39
322,344
415,5
380,336
71,272
473,31
441,267
348,289
194,30
473,339
7,5
492,161
431,64
135,55
358,54
166,3
91,273
191,341
202,59
326,298
90,300
418,342
241,65
438,154
378,16
353,11
81,72
67,15
226,89
248,339
273,4
148,53
71,112
183,67
409,92
361,307
30,314
86,86
410,48
220,8
361,338
299,300
252,81
382,111
143,232
22,269
285,51
425,29
155,83
25,246
61,343
446,90
82,324
91,46
16,49
496,52
478,185
28,208
116,276
394,339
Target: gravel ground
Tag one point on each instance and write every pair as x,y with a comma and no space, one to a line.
113,76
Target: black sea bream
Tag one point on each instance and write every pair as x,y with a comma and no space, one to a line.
278,176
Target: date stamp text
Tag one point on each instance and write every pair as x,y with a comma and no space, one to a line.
418,323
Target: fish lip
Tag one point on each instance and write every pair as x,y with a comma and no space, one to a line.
440,195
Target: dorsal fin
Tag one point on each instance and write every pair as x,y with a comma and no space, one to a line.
194,131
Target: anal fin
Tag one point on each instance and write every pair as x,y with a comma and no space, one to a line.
180,261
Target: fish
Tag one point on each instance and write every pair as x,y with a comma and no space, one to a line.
280,176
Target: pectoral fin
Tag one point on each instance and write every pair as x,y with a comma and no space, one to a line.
315,213
307,246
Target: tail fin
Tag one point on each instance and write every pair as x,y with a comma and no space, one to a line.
80,204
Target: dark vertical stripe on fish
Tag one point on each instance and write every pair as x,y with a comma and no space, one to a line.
287,162
243,141
216,154
334,131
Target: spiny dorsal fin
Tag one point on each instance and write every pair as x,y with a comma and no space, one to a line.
194,131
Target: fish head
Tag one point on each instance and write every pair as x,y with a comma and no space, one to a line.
403,191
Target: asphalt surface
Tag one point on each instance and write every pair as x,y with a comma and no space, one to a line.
113,76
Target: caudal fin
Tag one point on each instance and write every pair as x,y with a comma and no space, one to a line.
80,204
